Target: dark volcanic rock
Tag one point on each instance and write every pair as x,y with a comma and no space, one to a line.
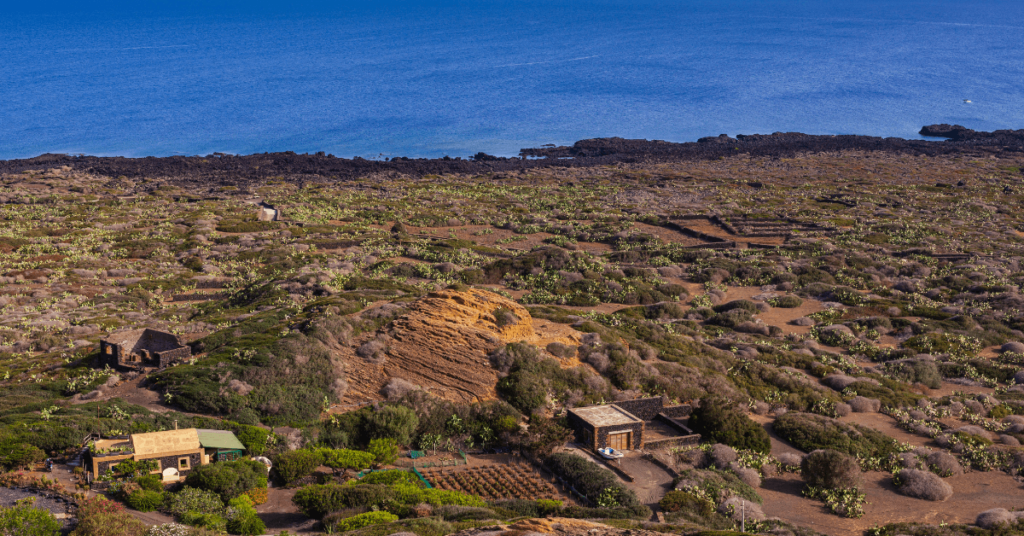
221,169
953,132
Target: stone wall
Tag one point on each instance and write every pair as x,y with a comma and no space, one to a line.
169,357
583,429
677,412
681,441
644,409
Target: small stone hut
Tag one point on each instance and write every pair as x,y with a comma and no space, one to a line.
623,425
267,212
140,348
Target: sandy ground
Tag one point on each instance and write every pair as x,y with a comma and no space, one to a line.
972,493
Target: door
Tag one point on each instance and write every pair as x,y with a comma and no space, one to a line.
619,440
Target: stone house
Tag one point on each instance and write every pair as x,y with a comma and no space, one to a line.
175,452
140,348
632,425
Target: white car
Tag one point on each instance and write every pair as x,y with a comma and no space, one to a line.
610,453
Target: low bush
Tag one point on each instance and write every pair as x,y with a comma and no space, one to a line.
593,481
922,485
319,500
212,522
228,479
812,432
360,521
293,465
24,519
715,485
242,518
718,419
463,513
384,450
151,483
944,464
786,302
103,517
830,469
674,501
193,500
145,500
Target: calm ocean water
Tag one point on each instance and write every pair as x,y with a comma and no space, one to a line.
417,78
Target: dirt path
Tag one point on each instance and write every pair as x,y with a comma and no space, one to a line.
279,513
650,481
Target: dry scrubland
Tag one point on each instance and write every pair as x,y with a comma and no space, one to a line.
866,304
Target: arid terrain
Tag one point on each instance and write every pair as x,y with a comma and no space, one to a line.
855,298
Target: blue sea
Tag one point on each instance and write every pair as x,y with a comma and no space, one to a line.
418,78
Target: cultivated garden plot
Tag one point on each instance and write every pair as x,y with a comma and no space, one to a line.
494,482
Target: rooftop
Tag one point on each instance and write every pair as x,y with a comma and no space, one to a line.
609,415
219,439
169,441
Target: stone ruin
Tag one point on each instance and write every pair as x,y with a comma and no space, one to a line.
141,348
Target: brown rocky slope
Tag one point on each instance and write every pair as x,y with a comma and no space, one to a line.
441,342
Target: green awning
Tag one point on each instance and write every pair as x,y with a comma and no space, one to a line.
219,439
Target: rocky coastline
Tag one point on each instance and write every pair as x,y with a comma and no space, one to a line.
242,170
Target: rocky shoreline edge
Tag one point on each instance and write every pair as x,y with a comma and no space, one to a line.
242,170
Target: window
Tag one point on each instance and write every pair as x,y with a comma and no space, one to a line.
183,464
110,349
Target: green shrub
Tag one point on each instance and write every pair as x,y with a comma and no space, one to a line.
441,497
745,305
253,438
103,517
731,318
295,464
675,501
591,480
786,302
20,455
145,500
719,420
384,450
212,522
194,500
242,518
392,422
151,483
360,521
228,479
24,519
830,469
317,501
916,371
347,459
810,432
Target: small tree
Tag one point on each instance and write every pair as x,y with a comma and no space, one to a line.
719,420
384,451
395,422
